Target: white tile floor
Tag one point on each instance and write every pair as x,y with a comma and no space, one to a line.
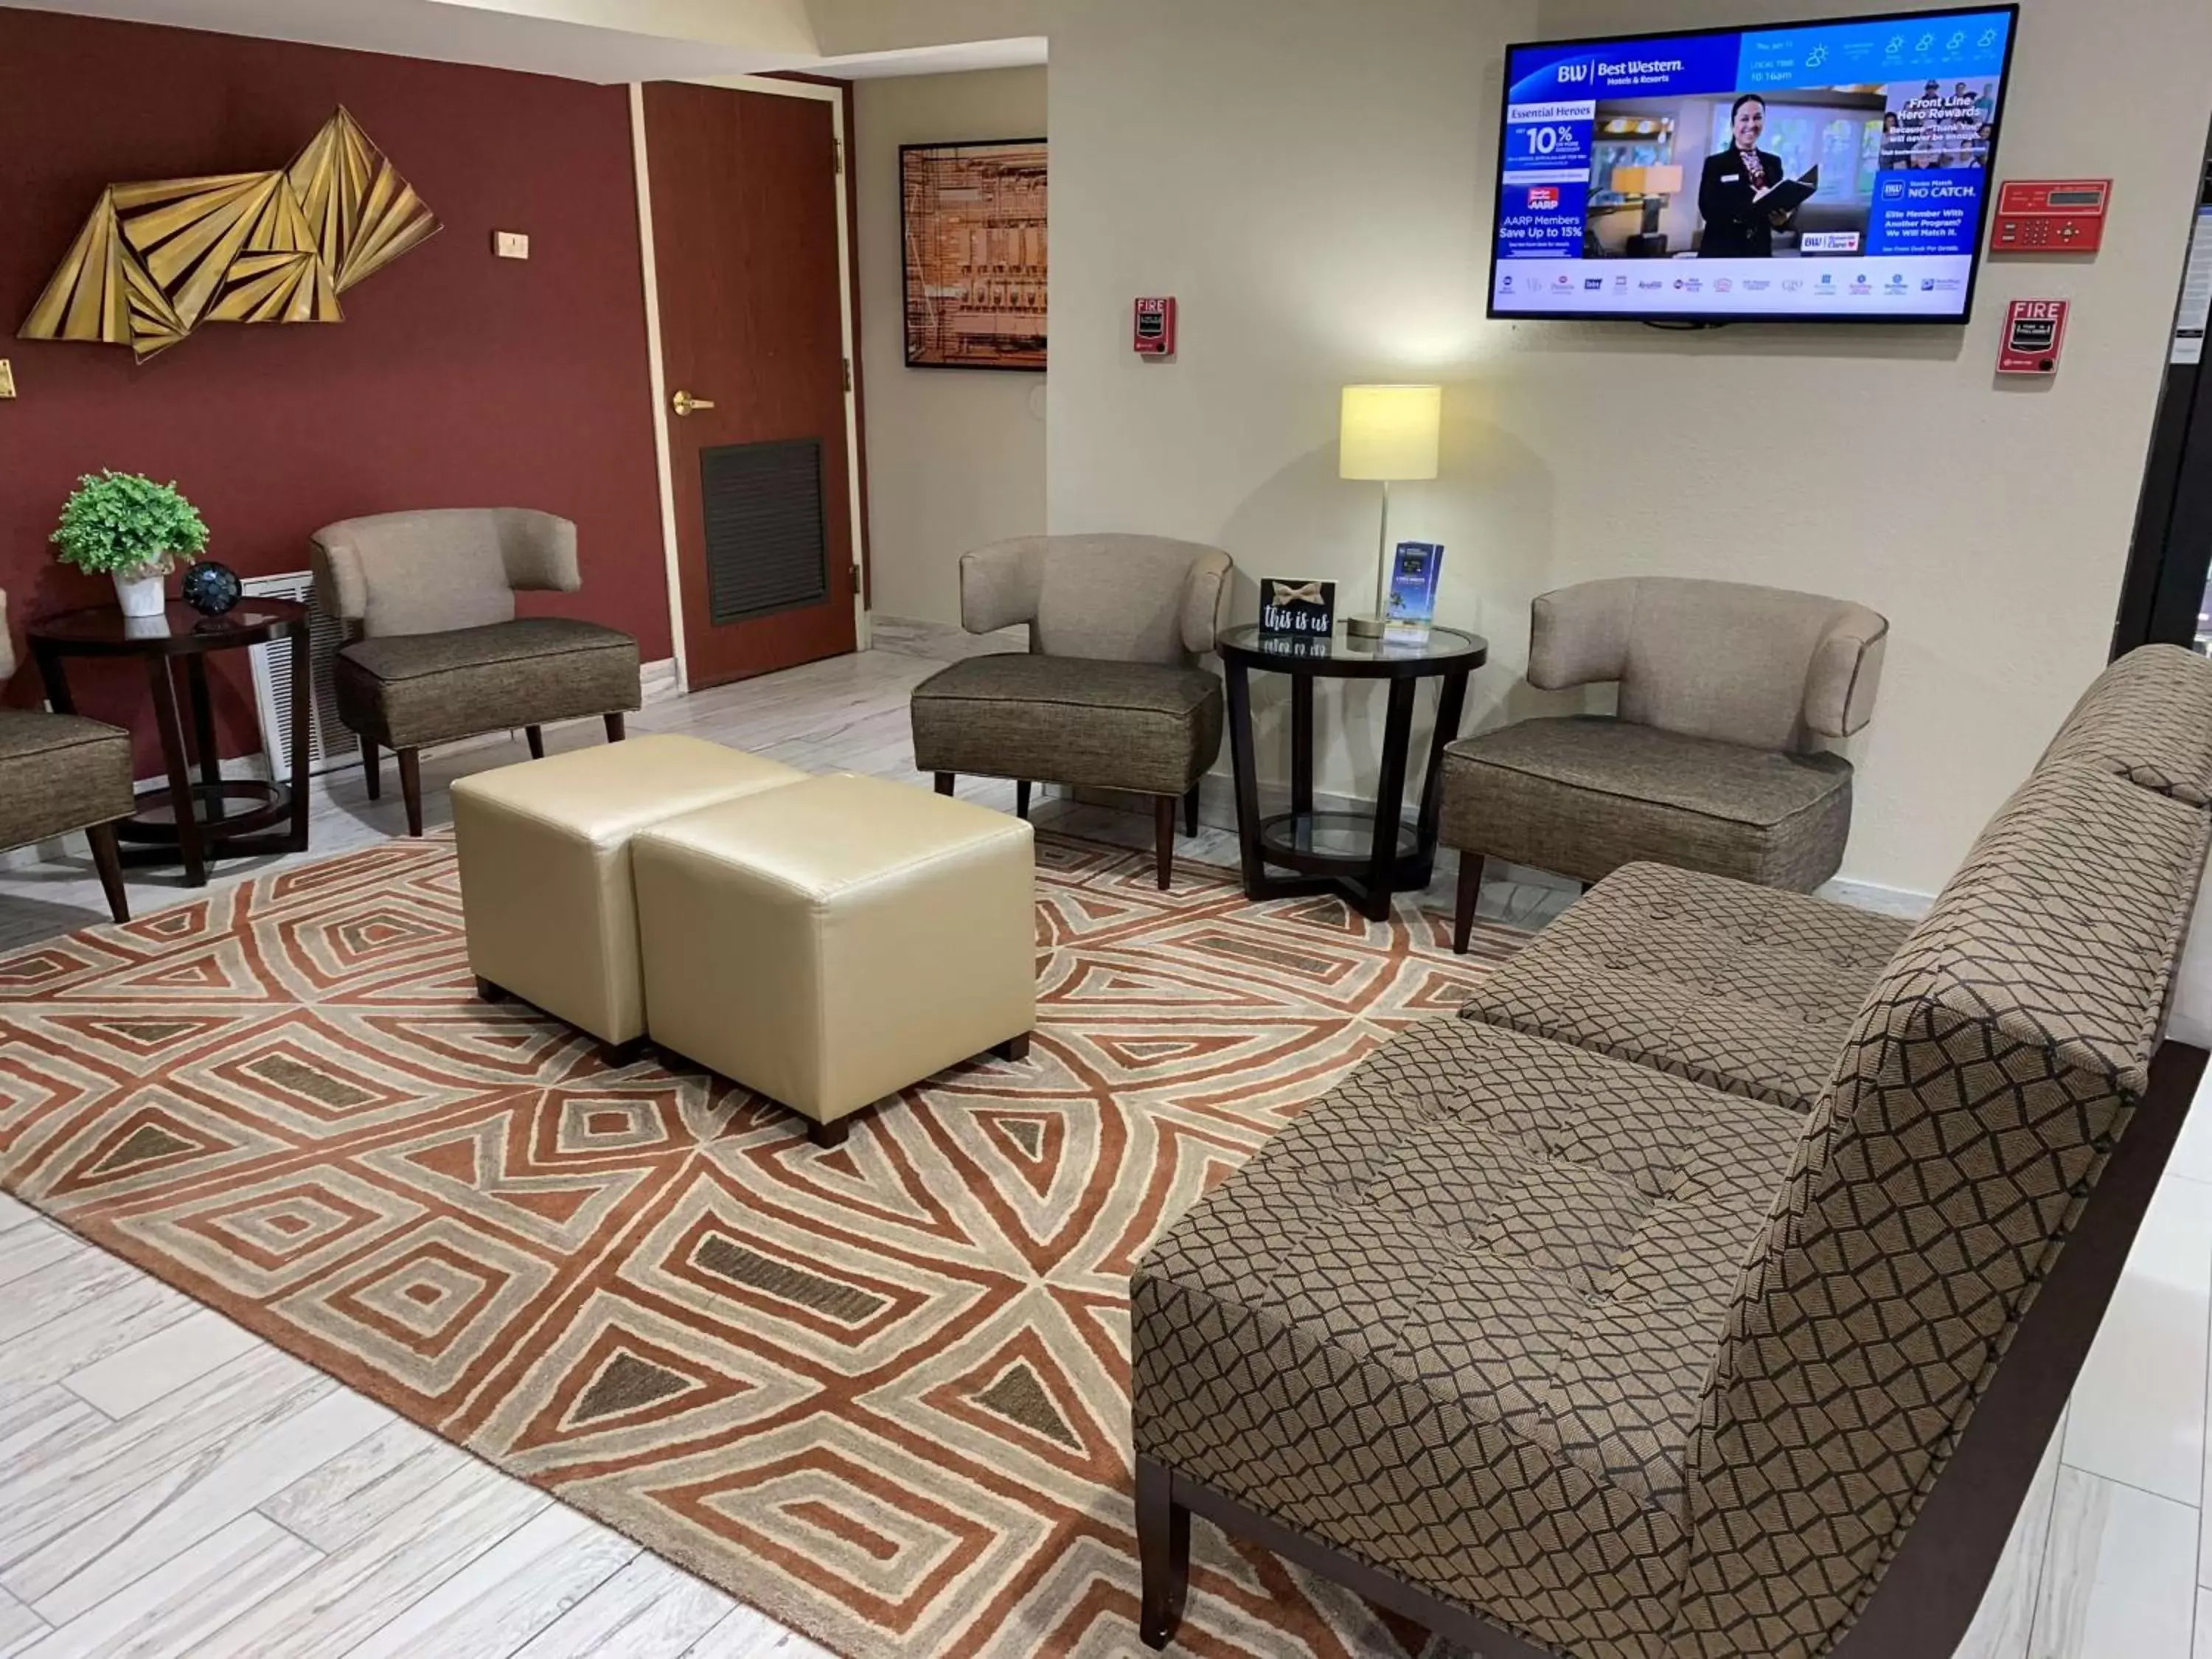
170,1485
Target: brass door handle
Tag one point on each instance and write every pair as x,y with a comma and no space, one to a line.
685,403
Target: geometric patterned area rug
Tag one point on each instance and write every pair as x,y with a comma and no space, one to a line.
878,1391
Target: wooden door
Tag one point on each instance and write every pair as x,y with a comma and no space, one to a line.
745,206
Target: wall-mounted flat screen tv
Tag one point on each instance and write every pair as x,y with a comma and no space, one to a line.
1828,172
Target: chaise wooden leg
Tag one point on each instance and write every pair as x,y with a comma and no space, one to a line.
1163,1552
829,1135
372,768
537,736
1021,798
410,787
107,859
1014,1048
1164,828
1470,889
1190,811
488,992
944,783
616,728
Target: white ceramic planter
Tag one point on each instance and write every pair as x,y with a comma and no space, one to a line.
141,595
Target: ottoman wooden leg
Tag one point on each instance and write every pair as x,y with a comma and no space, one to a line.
488,992
537,736
1164,828
944,783
1014,1048
410,787
1470,889
829,1135
372,768
1021,798
615,728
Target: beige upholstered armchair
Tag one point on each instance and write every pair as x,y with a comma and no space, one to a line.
60,773
1108,695
1713,762
442,655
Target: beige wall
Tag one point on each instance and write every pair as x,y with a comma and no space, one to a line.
1312,182
955,457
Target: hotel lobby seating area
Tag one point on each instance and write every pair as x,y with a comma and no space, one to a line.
1203,844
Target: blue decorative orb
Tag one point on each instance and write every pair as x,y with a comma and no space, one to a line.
211,589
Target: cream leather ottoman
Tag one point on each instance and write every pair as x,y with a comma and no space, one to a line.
545,876
828,944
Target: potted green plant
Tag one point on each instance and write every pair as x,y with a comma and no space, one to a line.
132,529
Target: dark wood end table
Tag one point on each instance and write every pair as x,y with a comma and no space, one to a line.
1367,859
189,822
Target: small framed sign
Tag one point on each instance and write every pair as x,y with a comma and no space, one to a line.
1291,608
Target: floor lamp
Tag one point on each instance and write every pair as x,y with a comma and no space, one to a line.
1386,432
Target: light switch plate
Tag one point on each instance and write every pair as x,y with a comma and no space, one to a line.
6,379
510,244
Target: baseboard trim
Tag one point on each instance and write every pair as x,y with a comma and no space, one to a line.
656,681
1900,902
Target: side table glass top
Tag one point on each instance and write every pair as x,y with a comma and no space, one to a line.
1342,649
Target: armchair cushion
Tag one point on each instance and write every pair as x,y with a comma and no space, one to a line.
450,567
1137,727
1737,987
407,689
1587,795
59,773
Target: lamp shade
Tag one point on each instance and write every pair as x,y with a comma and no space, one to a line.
1664,180
1389,432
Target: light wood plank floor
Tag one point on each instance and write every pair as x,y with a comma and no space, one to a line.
171,1485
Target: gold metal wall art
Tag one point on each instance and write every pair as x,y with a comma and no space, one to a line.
156,260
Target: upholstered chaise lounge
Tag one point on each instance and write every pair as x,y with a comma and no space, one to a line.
1712,1286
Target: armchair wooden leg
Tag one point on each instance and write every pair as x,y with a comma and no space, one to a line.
1470,890
107,859
1021,798
829,1135
372,768
944,783
537,736
1014,1048
410,787
615,728
1190,811
1164,829
1163,1552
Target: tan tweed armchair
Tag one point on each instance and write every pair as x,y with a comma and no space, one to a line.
1108,695
442,655
1713,762
59,773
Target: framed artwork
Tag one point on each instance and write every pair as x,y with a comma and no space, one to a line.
972,227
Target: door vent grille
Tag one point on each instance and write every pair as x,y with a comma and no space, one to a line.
765,546
329,746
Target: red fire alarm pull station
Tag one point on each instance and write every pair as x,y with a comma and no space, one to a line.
2034,335
2051,215
1155,328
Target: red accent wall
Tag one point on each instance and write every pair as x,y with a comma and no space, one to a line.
457,379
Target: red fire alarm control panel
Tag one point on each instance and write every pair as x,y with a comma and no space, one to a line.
2051,215
1155,328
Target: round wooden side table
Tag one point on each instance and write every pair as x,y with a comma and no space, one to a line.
216,817
1367,858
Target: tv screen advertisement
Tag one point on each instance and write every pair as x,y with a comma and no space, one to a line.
1829,171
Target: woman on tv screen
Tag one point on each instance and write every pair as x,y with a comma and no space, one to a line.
1737,227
